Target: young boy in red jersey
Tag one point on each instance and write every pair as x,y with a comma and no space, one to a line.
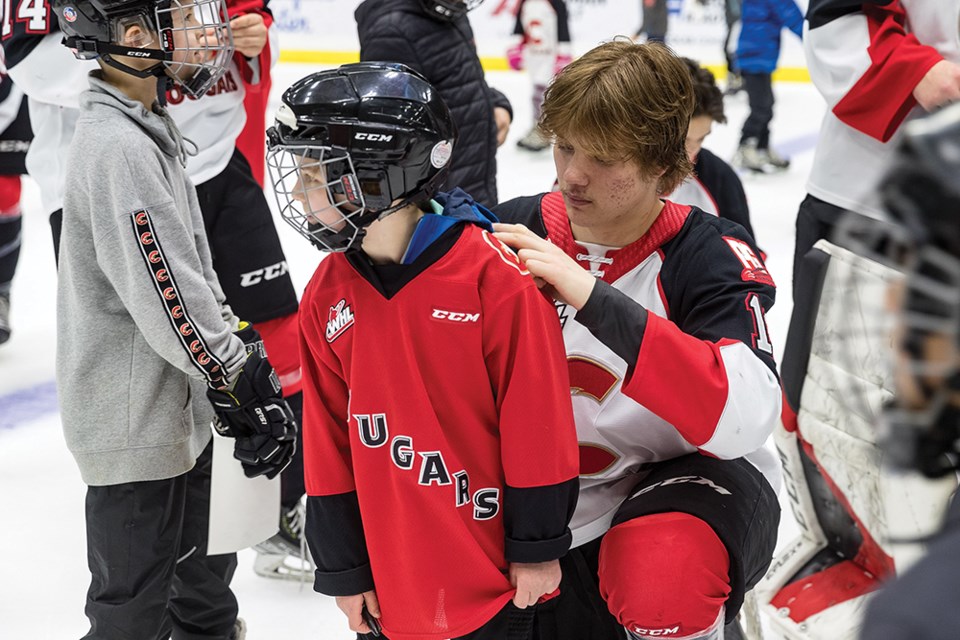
440,453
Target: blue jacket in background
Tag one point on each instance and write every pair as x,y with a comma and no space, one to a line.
761,23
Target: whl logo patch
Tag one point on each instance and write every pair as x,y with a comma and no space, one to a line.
339,320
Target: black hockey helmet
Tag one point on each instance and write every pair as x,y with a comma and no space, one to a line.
449,10
920,192
201,34
354,144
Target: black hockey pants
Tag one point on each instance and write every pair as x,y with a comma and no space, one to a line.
150,573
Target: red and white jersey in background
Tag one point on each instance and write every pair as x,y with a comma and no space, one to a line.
866,59
704,379
53,80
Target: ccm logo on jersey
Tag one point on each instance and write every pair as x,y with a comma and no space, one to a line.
339,320
753,269
433,470
373,137
684,480
454,316
656,633
267,273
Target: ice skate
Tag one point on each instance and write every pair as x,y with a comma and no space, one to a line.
284,555
533,141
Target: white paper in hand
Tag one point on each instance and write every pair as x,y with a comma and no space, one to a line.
243,511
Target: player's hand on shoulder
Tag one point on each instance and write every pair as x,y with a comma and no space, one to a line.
533,581
249,34
253,412
353,607
554,271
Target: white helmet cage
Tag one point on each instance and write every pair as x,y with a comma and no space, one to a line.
208,35
304,176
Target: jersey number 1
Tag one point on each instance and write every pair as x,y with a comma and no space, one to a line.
761,339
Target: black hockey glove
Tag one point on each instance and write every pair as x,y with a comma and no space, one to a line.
254,413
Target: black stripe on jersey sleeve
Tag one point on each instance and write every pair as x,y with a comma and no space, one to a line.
525,211
616,320
334,534
536,521
161,274
821,12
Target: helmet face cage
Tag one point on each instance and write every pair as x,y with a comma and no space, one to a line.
319,194
920,426
205,38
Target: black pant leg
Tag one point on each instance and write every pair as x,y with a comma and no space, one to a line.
759,88
244,244
133,536
816,219
201,602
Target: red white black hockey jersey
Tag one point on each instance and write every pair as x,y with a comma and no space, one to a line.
669,356
866,58
440,406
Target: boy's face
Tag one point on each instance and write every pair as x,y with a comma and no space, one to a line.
700,128
311,192
602,194
195,42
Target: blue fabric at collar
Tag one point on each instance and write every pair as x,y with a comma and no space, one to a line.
449,210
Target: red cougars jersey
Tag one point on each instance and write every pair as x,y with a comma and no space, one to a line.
670,355
438,433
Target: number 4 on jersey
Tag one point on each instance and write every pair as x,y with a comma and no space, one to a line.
34,14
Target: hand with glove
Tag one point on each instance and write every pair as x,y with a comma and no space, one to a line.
253,412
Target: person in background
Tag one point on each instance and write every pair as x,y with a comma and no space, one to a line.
758,50
877,64
713,186
542,48
434,38
653,28
14,142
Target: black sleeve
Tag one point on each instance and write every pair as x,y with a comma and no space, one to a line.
524,210
536,519
725,186
616,320
711,280
499,99
563,21
820,12
334,534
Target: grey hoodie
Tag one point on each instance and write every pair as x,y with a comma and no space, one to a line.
142,326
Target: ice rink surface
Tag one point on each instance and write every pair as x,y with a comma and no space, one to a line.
43,573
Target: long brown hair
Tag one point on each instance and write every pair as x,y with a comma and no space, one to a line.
625,102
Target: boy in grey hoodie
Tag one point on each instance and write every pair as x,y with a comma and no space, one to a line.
144,331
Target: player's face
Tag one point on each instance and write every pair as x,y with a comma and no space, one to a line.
700,128
189,38
311,192
608,201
